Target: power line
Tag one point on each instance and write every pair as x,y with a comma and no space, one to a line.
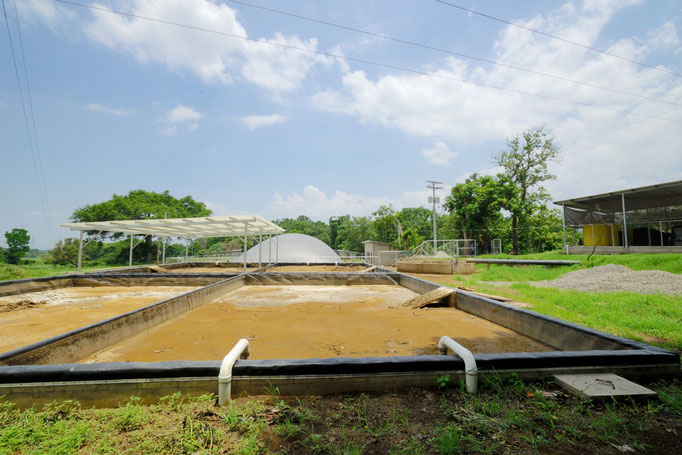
41,190
584,46
33,119
449,52
368,62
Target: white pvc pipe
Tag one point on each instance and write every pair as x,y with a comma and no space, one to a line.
240,350
466,355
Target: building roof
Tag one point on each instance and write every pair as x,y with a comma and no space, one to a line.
645,197
208,226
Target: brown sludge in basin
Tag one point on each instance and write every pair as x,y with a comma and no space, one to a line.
36,316
314,321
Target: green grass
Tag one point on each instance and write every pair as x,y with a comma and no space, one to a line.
652,318
506,416
668,262
20,272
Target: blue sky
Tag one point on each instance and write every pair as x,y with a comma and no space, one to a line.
122,103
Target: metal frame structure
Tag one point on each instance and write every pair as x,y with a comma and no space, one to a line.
653,196
189,228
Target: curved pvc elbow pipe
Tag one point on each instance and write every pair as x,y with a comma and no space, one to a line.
240,350
469,362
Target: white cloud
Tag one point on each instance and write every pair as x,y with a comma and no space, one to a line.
464,114
317,205
213,58
180,114
109,110
48,12
439,154
180,117
256,121
217,209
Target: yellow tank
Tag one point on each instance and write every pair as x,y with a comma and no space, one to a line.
600,235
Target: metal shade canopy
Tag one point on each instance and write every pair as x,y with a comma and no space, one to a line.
207,226
645,197
201,227
601,208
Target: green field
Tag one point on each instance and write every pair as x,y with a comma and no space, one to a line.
653,318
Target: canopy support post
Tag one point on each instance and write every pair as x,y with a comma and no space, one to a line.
130,255
246,237
563,222
660,230
80,251
163,255
270,248
625,223
186,251
277,250
260,249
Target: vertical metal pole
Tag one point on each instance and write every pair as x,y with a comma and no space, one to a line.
648,231
613,235
260,248
186,252
277,250
130,255
246,237
80,252
660,229
163,254
435,241
563,222
270,248
625,223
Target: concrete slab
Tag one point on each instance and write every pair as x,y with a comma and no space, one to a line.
601,385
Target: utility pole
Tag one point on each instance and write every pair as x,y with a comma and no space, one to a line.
434,200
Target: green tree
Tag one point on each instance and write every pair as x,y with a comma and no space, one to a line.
353,231
65,252
387,225
137,205
17,245
525,161
304,225
476,205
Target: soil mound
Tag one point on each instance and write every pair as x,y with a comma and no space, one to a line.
614,278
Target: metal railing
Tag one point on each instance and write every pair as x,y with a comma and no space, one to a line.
446,248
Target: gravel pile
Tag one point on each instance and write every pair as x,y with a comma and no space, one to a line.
611,277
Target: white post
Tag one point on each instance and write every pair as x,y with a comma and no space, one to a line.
563,222
277,249
186,252
260,248
130,255
163,253
270,248
246,237
660,229
80,251
625,223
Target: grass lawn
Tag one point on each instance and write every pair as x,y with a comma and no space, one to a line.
505,417
20,272
652,318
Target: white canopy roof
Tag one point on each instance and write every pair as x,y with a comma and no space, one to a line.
208,226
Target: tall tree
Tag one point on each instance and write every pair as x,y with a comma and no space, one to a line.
387,224
525,161
17,245
476,205
138,205
353,231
